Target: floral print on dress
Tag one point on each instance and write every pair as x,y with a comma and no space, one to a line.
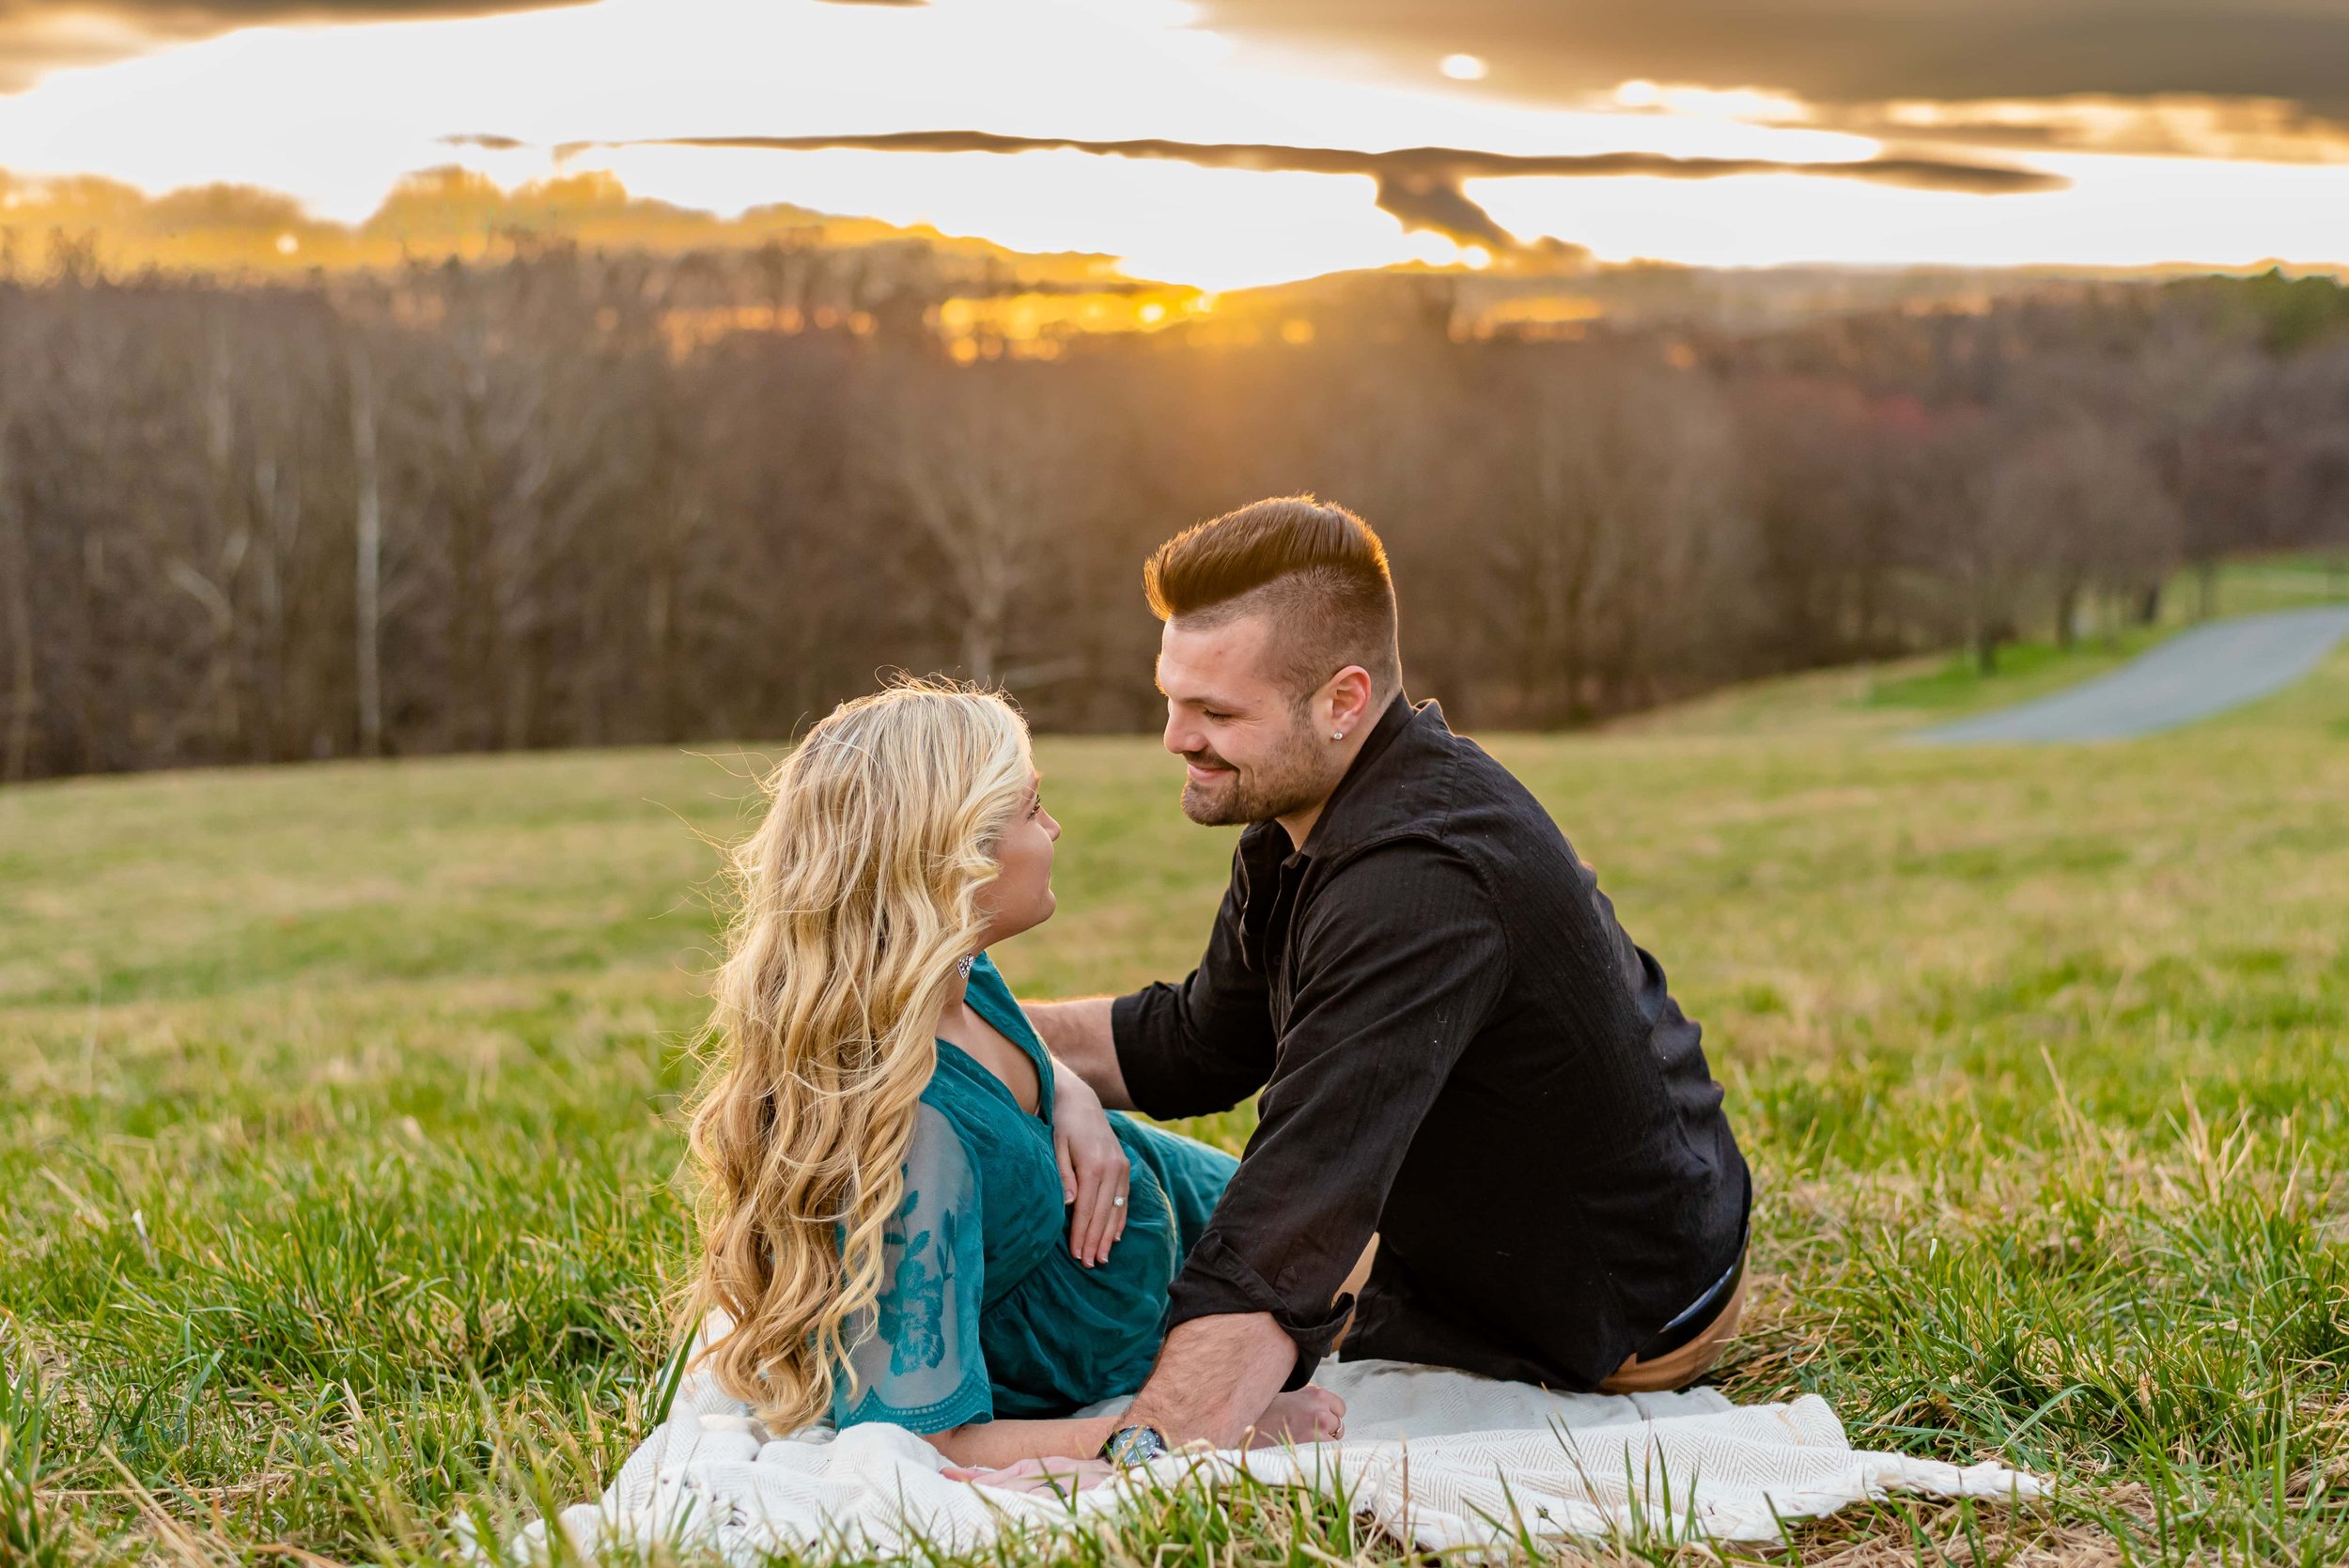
913,1312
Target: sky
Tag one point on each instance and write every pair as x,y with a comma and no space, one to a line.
1223,143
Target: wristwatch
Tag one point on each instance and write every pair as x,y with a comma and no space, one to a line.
1134,1444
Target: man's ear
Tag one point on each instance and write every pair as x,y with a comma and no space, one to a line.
1349,699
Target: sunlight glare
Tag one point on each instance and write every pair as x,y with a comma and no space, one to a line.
1763,104
334,116
2120,212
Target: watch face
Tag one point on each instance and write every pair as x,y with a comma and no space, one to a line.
1134,1444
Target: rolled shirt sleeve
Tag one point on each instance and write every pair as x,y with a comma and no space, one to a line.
1394,976
1207,1043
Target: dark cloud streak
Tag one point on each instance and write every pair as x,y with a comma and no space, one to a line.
29,48
175,19
1842,51
1421,186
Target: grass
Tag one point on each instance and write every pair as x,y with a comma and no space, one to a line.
1910,694
335,1163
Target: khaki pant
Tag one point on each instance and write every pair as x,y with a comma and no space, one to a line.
1674,1369
1677,1368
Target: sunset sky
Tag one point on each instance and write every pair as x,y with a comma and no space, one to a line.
2113,133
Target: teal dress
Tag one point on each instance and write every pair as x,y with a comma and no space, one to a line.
983,1314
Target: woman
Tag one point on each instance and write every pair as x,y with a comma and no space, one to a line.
887,1219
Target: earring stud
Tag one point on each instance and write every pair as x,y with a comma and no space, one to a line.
1337,734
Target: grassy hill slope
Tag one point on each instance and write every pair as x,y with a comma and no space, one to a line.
334,1165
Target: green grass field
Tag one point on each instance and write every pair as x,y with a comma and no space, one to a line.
336,1159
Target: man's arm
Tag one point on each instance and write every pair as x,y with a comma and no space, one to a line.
1174,1050
1217,1378
1400,962
1077,1032
1214,1378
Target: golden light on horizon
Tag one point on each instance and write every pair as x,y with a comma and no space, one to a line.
1465,68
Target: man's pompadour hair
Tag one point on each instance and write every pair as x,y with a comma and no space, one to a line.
1317,571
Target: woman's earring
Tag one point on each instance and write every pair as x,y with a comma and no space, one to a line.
962,964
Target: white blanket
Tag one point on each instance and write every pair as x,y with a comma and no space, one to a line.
1443,1459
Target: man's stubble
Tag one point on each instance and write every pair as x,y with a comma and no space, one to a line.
1292,780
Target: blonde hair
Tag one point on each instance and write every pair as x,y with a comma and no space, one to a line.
856,898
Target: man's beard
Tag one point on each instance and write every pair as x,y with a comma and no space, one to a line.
1288,781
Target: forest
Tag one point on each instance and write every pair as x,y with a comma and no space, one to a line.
569,497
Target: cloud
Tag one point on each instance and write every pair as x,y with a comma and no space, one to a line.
2265,130
1421,186
26,59
39,36
1842,50
181,19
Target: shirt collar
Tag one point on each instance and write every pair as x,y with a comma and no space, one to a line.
1337,826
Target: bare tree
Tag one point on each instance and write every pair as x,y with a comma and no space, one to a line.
568,498
990,464
16,555
368,561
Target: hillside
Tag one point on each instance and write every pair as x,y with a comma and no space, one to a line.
336,1160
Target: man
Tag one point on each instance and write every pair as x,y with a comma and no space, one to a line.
1459,1048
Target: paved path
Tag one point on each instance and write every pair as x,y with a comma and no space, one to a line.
2194,675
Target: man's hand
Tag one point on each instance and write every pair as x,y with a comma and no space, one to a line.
1215,1378
1096,1173
1308,1415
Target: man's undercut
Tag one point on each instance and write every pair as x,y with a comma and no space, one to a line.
1313,569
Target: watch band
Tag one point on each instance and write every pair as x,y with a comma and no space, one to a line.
1134,1444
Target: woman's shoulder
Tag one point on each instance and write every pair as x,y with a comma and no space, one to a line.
939,1140
964,1105
987,980
990,993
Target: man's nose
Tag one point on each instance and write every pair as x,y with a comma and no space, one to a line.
1182,737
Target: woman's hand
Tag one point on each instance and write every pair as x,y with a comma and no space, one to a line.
1095,1169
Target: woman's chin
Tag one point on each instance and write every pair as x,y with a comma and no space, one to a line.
1042,912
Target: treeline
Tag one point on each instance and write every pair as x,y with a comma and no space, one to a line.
510,505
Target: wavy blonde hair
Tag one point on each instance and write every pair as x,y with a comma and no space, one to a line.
855,899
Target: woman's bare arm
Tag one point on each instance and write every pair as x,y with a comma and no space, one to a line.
1309,1415
993,1445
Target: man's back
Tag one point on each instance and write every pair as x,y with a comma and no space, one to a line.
1583,1108
1454,1023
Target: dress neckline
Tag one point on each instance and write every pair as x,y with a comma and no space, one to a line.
989,997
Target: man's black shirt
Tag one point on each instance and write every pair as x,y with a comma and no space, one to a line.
1459,1048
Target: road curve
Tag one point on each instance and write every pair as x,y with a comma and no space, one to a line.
2194,675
